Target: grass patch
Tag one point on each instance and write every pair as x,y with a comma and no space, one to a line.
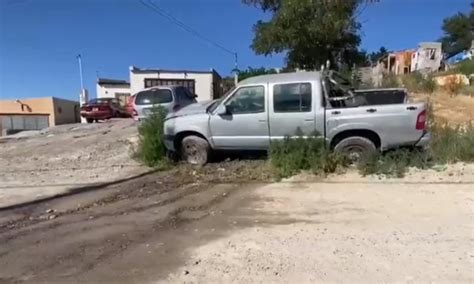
416,82
291,155
449,145
151,150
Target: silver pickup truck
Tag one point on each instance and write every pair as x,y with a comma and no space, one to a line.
269,107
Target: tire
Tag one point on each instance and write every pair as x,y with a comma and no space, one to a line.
89,120
195,150
355,147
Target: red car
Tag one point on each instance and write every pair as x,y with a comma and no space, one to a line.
100,109
129,109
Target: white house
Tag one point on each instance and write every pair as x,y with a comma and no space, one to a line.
205,84
427,57
110,88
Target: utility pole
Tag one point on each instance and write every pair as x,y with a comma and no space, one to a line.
236,69
79,60
83,96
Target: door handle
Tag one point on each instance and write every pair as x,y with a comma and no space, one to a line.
262,120
371,110
412,108
309,119
336,112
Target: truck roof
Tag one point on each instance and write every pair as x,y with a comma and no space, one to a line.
282,78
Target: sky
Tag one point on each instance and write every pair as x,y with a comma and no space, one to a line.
40,39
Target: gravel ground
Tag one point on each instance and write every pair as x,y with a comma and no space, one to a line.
225,222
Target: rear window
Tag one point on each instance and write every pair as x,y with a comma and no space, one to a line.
154,97
100,101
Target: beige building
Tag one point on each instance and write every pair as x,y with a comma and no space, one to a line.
36,113
110,88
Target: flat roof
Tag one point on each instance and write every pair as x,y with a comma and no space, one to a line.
105,81
136,70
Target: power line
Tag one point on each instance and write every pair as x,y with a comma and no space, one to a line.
160,11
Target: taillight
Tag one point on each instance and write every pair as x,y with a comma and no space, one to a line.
134,112
421,120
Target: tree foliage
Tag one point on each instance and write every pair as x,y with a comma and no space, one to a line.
374,56
310,32
252,72
458,32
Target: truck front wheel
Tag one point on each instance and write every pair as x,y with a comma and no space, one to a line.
195,150
355,147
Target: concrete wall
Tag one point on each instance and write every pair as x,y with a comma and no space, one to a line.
422,59
66,111
109,91
30,107
59,111
203,81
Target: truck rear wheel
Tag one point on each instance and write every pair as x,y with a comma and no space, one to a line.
195,150
89,120
355,147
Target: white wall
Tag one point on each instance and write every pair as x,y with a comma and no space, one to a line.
203,82
421,60
108,91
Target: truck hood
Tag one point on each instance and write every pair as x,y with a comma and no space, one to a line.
192,109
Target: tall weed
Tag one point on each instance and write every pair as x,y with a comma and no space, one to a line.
151,150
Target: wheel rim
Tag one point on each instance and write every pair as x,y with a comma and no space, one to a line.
354,152
192,153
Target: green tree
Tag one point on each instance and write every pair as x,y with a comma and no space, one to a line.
252,72
458,32
310,32
374,56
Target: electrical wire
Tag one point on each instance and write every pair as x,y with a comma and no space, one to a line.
160,11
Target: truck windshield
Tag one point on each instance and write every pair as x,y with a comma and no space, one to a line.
153,97
216,103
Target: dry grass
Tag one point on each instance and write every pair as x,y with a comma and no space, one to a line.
453,111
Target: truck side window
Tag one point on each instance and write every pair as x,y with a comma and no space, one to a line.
292,97
247,100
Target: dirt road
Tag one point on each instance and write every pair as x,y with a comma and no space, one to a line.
161,228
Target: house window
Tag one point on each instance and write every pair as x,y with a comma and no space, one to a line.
187,83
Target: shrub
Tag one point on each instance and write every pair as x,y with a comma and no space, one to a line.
394,163
418,83
151,150
453,85
450,145
291,155
466,67
390,81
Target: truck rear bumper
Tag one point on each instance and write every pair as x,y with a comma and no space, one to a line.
424,140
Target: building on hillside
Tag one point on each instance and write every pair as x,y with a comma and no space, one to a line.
110,88
398,62
427,57
207,85
36,113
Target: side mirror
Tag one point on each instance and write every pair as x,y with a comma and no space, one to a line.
222,110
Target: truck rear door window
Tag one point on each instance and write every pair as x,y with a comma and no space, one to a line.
294,97
153,97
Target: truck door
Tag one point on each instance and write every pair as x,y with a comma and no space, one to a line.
291,108
245,125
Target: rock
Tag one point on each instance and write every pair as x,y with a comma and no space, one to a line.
224,194
197,262
51,217
185,272
49,210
